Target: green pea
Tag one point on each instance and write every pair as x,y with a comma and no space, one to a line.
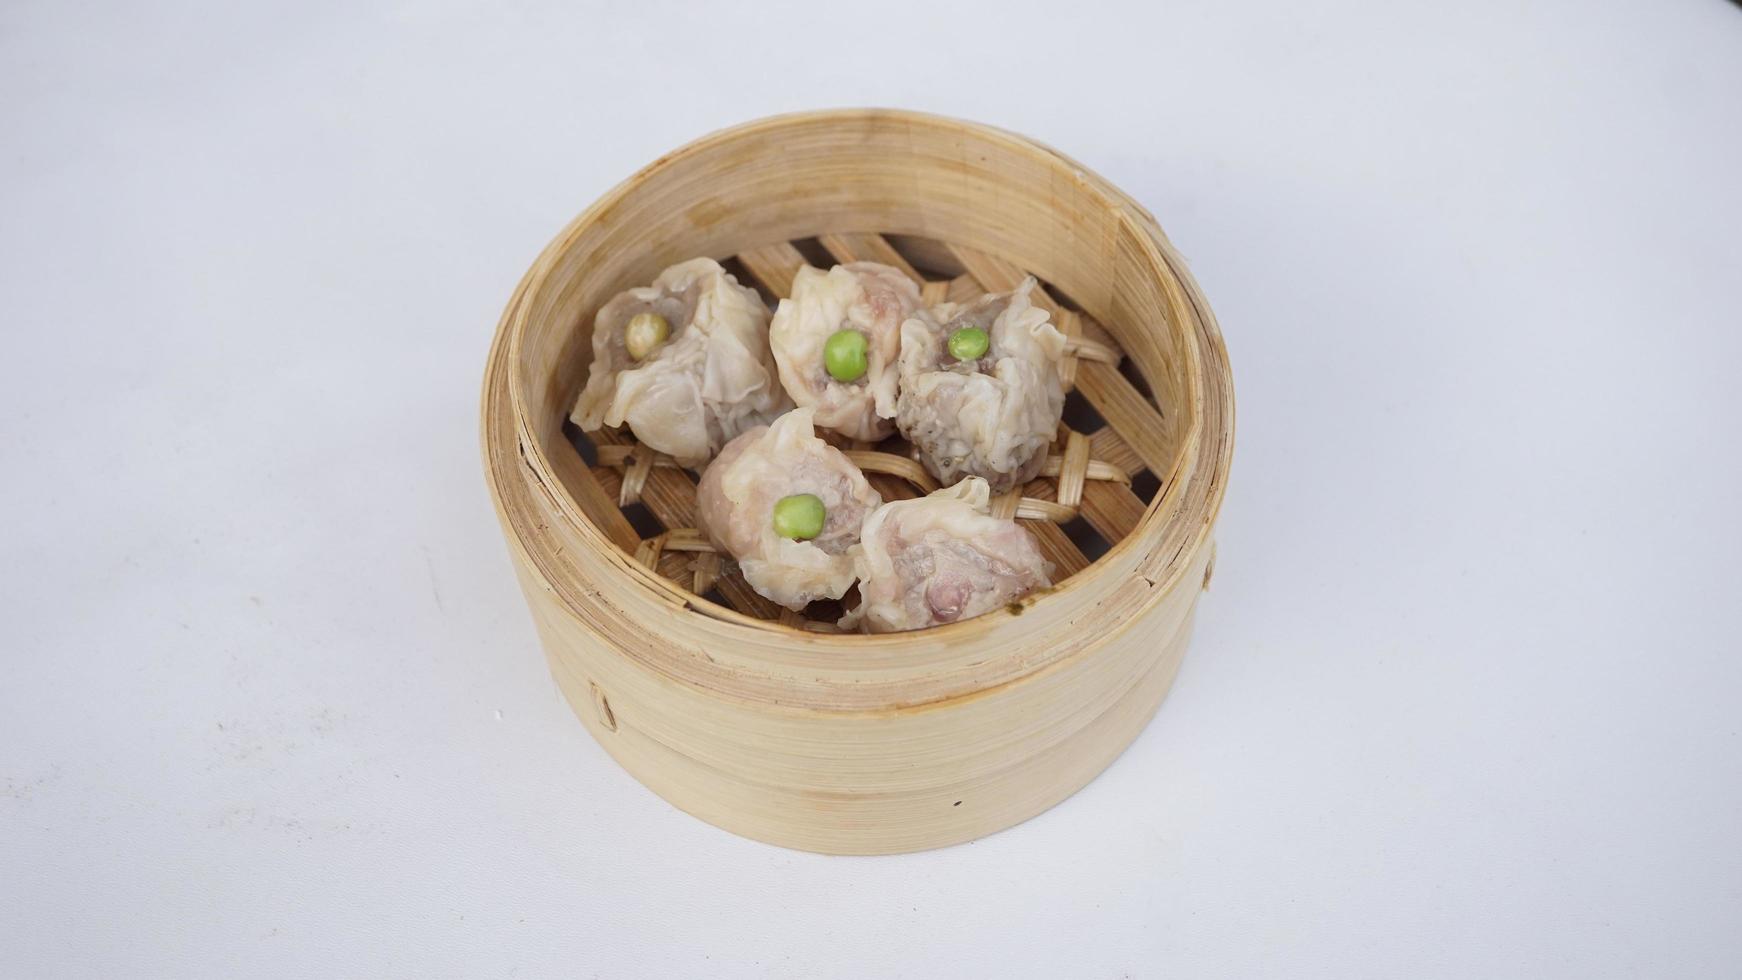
844,355
799,516
969,344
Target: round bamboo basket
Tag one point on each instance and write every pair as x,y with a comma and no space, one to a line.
775,725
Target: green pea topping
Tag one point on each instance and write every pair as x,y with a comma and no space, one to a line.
799,516
844,355
969,344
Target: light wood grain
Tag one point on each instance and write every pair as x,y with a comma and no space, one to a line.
840,742
863,247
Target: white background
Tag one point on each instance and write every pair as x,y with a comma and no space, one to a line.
1464,699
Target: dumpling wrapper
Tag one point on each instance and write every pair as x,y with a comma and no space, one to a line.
735,508
871,298
711,379
941,558
993,417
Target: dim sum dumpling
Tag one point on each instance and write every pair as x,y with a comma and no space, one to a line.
707,376
737,499
992,416
940,559
864,297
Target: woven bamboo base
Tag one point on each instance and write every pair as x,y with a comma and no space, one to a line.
1105,465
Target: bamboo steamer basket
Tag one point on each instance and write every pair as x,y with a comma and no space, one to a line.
773,724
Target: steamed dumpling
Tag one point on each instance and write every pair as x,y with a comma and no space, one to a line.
940,559
708,380
866,297
736,499
994,416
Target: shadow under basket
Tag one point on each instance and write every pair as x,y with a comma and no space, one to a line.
774,724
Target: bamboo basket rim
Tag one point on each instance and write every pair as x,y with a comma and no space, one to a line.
1190,495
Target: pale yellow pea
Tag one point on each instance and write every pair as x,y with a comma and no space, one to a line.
643,333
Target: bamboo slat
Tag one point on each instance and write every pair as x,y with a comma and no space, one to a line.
596,491
670,495
1129,414
862,247
774,265
1107,446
